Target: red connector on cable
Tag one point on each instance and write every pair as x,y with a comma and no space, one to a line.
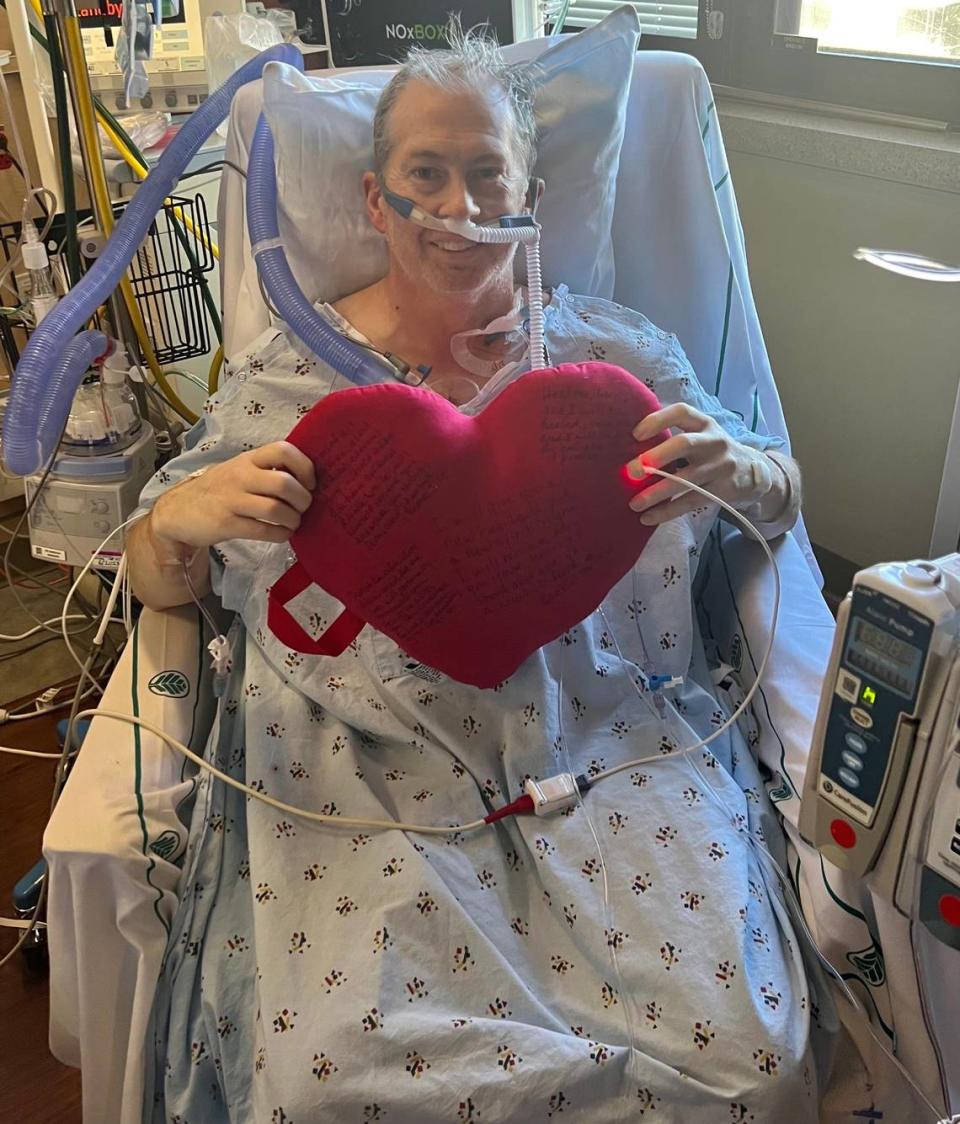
520,807
544,797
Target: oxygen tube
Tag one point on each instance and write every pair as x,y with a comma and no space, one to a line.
505,229
306,322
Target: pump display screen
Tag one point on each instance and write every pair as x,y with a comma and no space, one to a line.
884,657
109,13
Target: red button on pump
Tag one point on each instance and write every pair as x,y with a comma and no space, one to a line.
949,906
843,834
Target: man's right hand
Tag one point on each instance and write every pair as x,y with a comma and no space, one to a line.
259,495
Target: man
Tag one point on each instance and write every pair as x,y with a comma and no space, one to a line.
462,148
631,957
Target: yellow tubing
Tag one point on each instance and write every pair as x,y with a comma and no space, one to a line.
141,171
213,378
87,125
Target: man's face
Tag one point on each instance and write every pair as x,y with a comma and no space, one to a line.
454,155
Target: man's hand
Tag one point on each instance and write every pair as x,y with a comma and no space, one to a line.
259,495
708,456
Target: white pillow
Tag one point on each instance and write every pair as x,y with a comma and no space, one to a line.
323,137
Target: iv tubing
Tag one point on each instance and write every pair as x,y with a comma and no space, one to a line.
50,368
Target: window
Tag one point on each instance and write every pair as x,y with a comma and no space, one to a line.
677,21
907,30
679,26
896,56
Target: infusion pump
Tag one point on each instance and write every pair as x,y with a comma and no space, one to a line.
177,69
882,791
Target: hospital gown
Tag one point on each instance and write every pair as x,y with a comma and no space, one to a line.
629,959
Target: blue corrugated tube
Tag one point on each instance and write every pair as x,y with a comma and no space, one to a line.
356,363
55,359
53,363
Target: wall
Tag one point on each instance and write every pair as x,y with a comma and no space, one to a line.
867,363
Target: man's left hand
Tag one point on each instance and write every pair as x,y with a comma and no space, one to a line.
708,456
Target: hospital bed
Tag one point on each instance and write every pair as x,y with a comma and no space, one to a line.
677,254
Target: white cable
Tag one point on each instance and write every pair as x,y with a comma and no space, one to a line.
33,921
354,822
39,709
317,817
73,589
127,602
30,752
345,821
21,923
115,589
40,627
742,519
389,823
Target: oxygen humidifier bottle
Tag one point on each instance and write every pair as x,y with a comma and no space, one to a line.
43,296
120,403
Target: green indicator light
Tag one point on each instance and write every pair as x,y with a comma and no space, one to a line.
869,696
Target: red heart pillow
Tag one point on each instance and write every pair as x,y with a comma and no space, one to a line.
470,541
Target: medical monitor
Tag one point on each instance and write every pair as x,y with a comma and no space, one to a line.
177,71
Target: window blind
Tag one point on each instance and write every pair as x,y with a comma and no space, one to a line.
678,20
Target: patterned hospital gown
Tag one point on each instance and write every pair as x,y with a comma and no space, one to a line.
628,960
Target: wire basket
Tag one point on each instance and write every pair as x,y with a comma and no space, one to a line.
167,274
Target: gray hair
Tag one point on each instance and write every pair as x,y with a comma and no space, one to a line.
473,62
